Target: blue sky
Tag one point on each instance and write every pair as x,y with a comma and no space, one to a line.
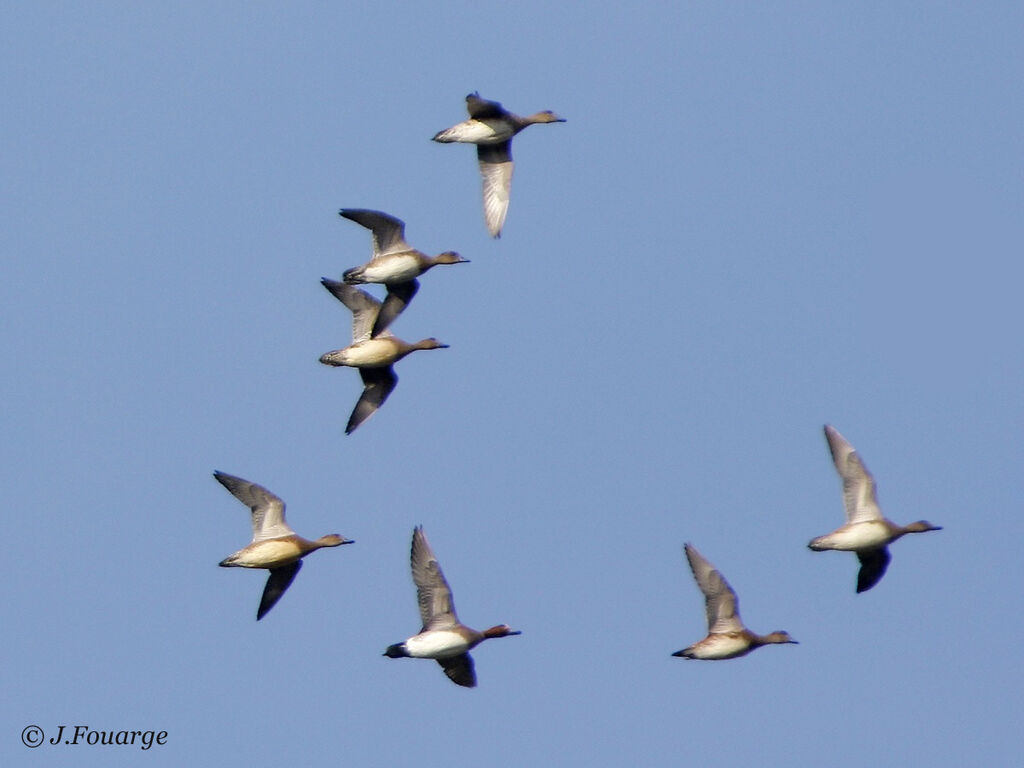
756,220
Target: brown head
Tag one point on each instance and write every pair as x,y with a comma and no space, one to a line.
450,257
333,540
430,343
502,630
405,348
920,527
547,116
777,637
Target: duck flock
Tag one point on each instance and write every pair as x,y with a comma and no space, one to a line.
374,350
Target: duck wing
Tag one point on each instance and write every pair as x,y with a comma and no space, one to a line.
388,231
872,567
496,171
363,306
460,670
720,600
377,385
481,109
437,610
267,509
398,298
277,583
859,497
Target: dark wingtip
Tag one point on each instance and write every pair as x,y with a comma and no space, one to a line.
864,586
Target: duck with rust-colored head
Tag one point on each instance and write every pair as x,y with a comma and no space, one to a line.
727,637
866,531
274,546
491,127
443,637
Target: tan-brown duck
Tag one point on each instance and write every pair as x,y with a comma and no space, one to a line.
274,546
491,127
727,637
395,263
866,531
372,355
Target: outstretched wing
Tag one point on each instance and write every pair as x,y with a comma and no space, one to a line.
267,509
719,598
377,385
496,172
279,581
388,231
481,109
872,567
859,498
460,670
432,591
398,298
363,306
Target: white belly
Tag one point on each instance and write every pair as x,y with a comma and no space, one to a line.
372,353
437,644
268,554
394,269
476,132
722,647
859,536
